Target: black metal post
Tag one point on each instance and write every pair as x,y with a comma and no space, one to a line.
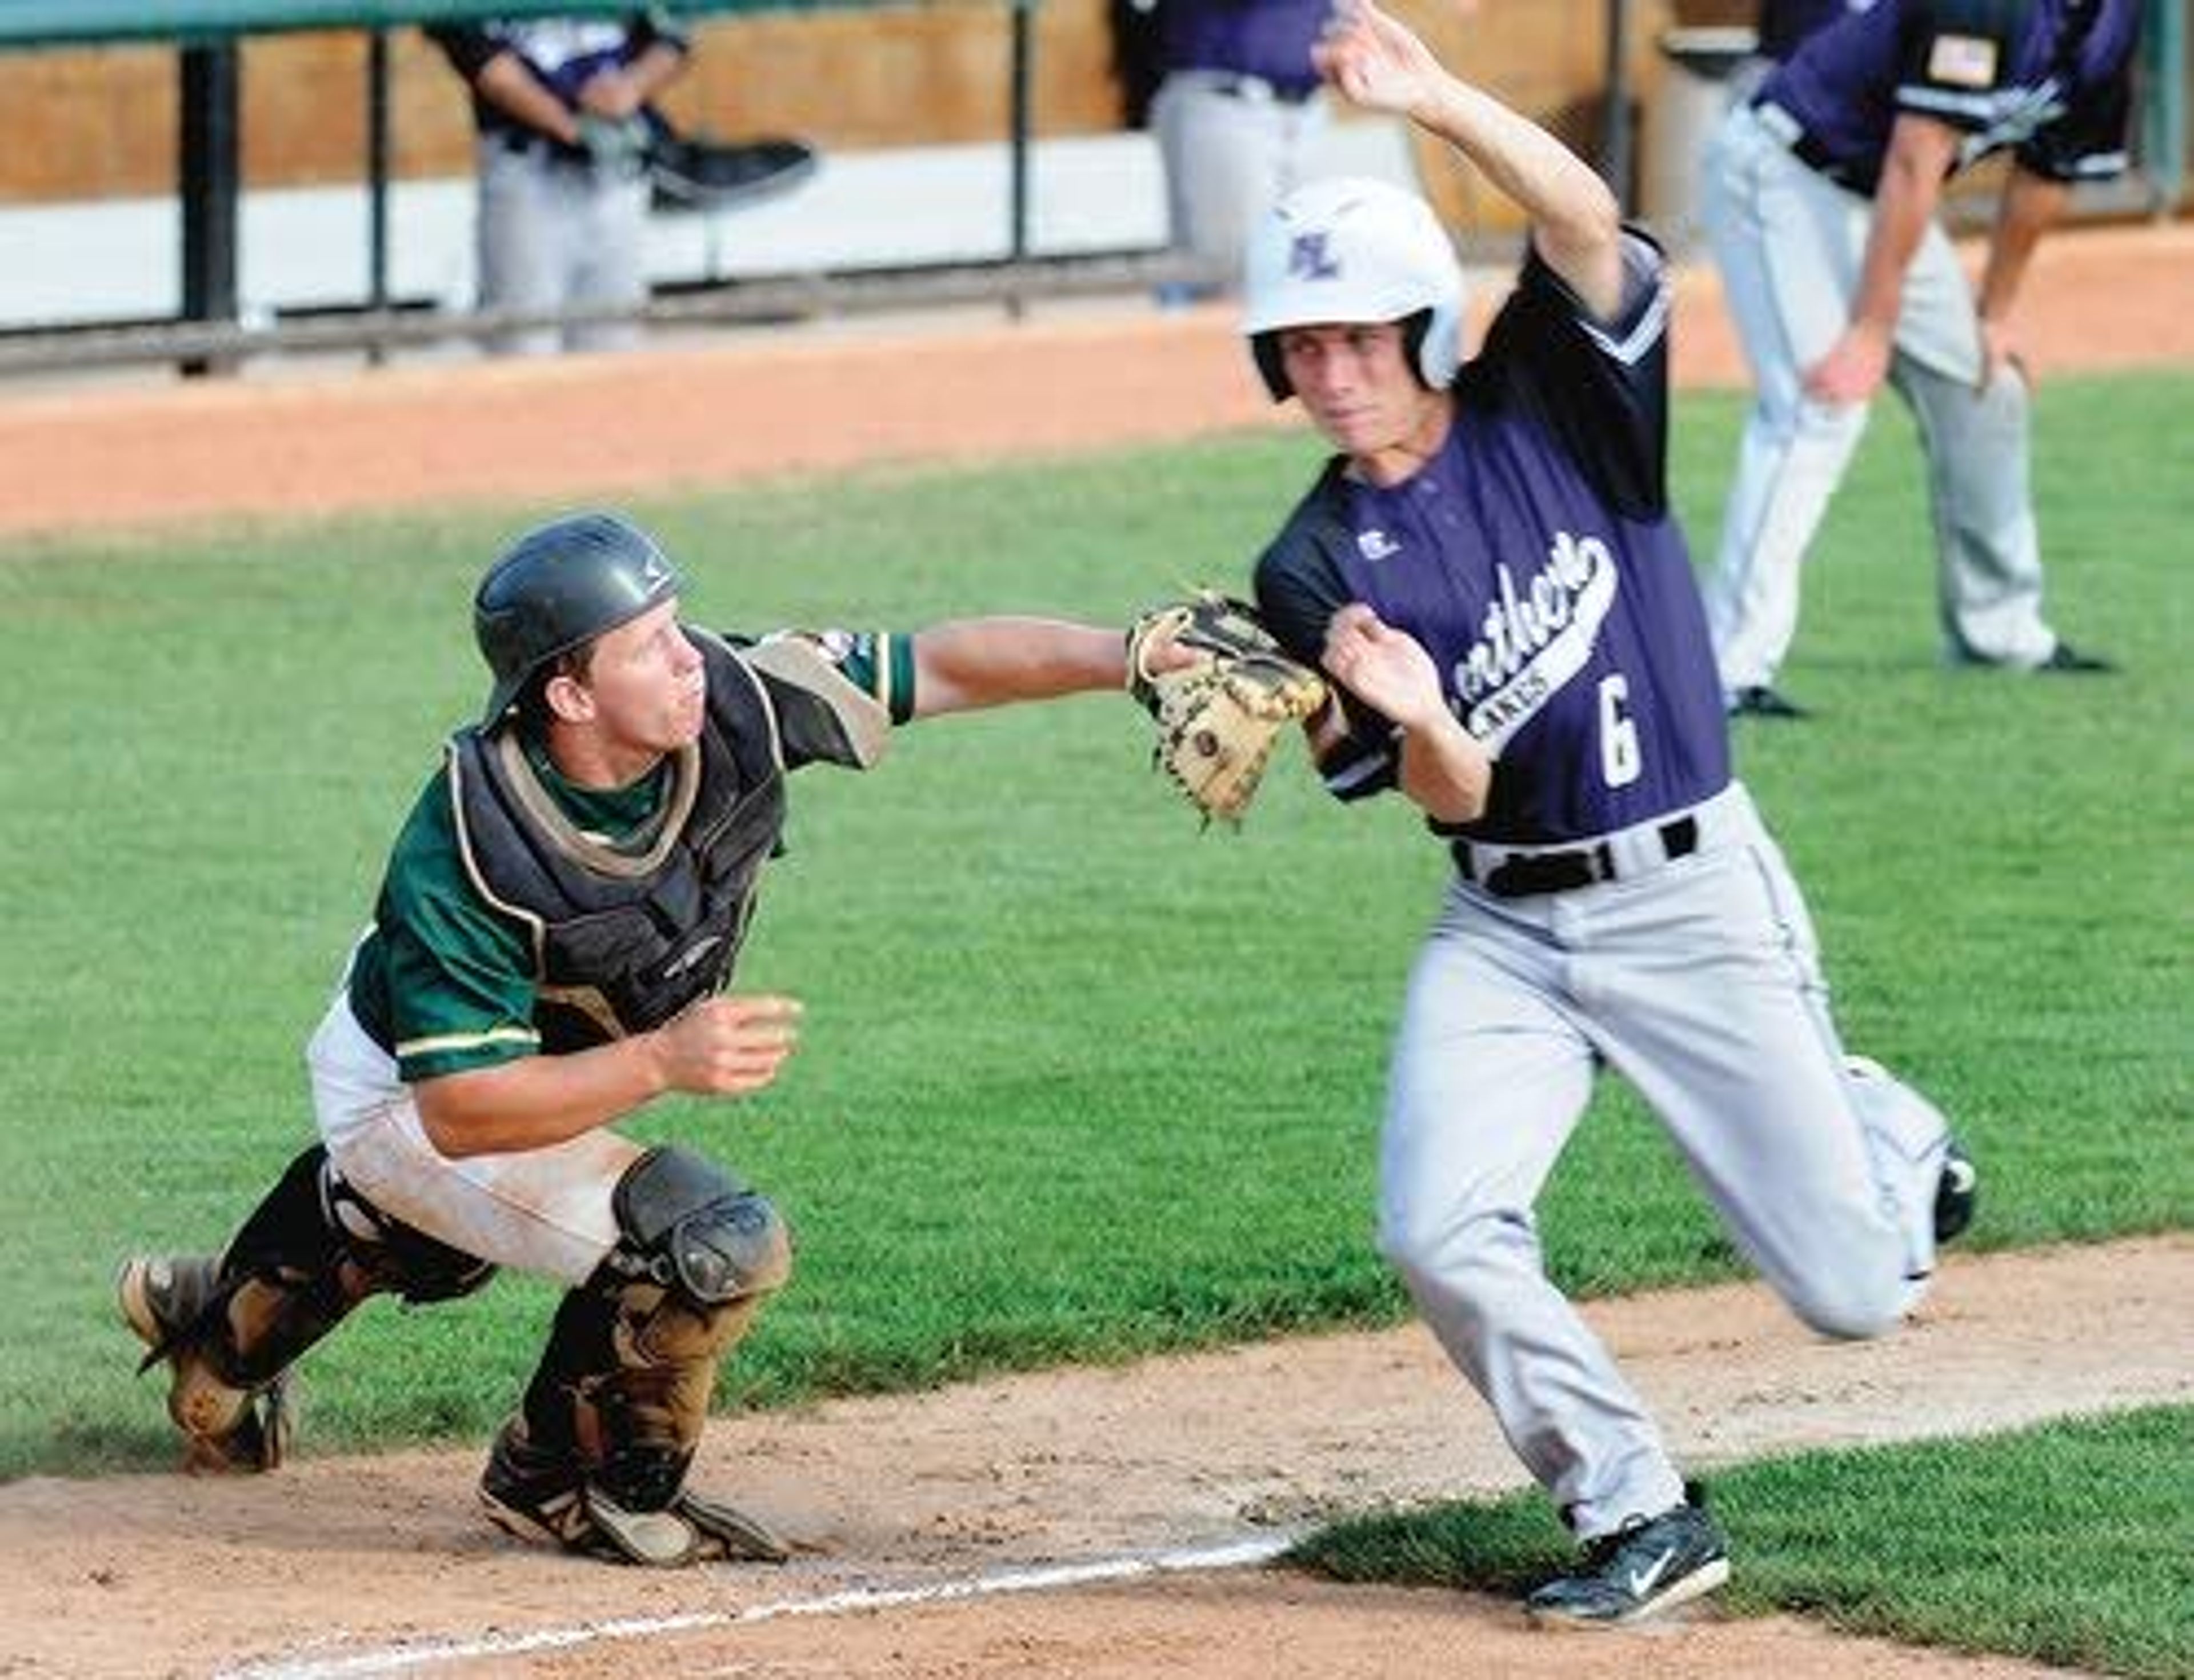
1018,231
209,183
1614,118
377,182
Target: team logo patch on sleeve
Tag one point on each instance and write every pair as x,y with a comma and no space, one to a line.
1962,61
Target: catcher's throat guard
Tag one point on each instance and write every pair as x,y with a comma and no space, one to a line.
1221,714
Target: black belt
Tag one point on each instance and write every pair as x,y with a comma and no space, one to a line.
524,143
1256,88
1799,142
1528,874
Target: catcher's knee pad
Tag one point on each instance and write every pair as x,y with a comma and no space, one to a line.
625,1382
685,1224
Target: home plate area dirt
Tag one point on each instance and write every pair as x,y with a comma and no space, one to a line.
1101,1522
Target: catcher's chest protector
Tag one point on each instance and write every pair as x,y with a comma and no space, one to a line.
624,941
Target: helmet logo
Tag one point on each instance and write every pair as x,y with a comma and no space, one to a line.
1308,259
654,573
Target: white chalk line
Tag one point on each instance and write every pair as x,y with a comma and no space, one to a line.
1236,1554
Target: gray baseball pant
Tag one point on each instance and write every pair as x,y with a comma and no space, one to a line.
1698,982
1227,159
1790,244
555,234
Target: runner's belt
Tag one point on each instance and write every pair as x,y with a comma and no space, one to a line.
1508,872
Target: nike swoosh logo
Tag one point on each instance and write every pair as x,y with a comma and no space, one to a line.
1642,1580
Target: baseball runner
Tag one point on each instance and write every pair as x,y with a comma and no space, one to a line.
1489,573
561,107
1820,200
560,916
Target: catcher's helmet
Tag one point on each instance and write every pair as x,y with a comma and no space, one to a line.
1351,250
559,587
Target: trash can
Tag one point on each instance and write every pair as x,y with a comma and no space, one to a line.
1696,89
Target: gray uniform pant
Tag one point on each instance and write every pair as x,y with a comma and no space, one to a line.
1227,158
1790,243
555,234
1698,982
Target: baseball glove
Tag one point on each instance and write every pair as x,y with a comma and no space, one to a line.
1219,716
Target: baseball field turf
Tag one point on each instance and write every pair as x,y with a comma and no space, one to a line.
1077,1082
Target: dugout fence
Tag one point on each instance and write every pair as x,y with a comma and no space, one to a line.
209,331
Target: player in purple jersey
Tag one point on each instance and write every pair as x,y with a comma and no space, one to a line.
1489,571
1820,193
1237,117
562,106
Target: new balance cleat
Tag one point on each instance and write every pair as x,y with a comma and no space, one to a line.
535,1493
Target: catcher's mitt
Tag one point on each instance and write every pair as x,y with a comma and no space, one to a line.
1220,717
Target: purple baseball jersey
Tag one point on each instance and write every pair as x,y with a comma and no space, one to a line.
2051,78
1536,558
1269,40
1784,24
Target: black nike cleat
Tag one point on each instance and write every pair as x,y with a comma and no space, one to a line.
1957,1192
1759,700
2063,660
2066,658
1649,1565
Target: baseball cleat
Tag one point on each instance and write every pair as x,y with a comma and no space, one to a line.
2065,657
165,1300
2065,660
1957,1192
1649,1565
1759,700
540,1495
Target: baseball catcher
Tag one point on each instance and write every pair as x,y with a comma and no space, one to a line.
552,951
1220,698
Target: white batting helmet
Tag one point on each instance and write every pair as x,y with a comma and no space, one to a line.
1351,249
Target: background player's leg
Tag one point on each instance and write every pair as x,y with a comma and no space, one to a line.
517,249
1787,243
609,265
1988,552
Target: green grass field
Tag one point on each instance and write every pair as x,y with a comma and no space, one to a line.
1036,1118
2066,1544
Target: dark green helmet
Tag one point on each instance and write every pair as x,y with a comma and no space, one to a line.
559,587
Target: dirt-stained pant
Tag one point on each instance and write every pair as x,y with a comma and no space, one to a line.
1698,982
544,1210
1790,244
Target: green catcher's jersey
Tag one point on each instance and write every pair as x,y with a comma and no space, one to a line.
444,981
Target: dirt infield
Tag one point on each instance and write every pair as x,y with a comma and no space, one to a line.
1068,1522
79,456
928,1522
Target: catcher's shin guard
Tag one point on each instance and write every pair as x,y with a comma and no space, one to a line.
614,1412
230,1329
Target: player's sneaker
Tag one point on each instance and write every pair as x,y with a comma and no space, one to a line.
1759,700
1957,1193
2065,660
165,1301
1649,1565
538,1494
